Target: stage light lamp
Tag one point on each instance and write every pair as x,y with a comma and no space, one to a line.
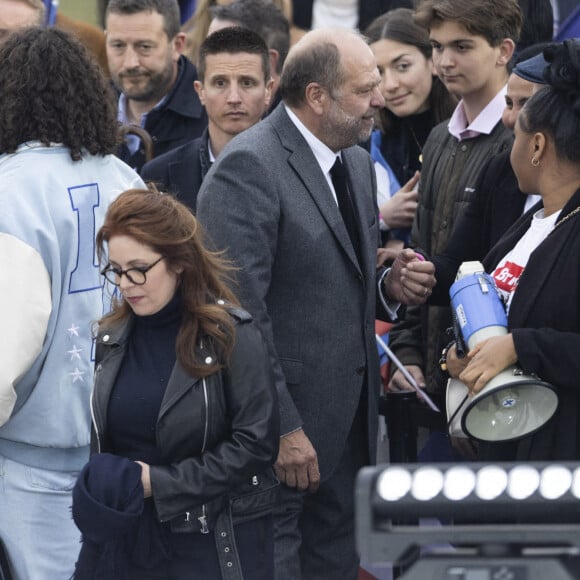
526,513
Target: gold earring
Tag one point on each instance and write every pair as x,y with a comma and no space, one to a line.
535,162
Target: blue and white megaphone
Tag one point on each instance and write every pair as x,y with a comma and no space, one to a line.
512,404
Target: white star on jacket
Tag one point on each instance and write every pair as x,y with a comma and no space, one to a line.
75,353
73,330
77,375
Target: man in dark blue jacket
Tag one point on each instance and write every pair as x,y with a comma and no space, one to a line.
235,85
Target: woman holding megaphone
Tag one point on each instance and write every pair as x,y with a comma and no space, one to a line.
536,267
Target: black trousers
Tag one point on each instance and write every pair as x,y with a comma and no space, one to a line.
315,531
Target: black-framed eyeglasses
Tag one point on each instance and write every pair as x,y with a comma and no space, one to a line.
137,275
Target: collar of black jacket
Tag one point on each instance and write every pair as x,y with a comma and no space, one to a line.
183,99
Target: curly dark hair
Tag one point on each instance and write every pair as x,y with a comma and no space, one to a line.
52,91
160,221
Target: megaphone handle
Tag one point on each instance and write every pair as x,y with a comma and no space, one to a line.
451,419
459,341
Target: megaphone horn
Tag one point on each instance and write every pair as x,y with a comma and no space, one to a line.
512,404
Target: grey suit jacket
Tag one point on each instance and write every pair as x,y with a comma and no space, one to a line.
268,204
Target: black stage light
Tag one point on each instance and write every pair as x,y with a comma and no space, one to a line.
506,521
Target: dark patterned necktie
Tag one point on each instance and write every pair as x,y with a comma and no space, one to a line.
340,183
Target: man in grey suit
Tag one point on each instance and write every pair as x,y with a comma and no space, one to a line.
308,274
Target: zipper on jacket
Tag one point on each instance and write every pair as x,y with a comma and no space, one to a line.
206,427
203,518
93,417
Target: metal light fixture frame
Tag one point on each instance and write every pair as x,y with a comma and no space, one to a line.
528,539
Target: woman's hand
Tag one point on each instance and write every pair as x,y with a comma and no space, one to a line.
399,211
145,478
486,360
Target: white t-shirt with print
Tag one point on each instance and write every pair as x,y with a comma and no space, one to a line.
509,270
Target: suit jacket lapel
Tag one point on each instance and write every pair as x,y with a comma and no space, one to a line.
302,160
365,207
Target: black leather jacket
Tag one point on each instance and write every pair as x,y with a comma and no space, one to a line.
218,436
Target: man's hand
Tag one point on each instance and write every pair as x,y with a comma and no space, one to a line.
410,280
399,211
297,464
398,381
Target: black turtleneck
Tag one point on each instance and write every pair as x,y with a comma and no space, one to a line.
141,383
403,144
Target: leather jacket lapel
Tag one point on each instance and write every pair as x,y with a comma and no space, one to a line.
179,383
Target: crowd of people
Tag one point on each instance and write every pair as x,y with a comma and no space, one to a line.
198,235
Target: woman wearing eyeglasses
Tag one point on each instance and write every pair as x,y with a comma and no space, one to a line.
185,416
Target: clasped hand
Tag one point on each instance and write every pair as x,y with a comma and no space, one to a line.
410,280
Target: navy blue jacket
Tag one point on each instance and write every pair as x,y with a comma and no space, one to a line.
181,170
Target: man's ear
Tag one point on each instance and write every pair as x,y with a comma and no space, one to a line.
269,89
506,51
274,60
179,42
316,97
198,86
